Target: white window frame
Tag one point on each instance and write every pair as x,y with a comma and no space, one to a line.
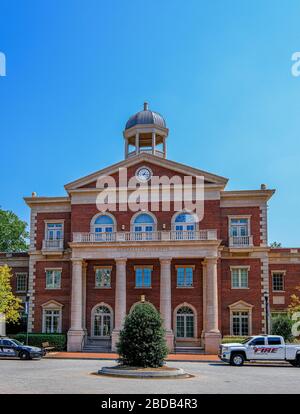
26,281
232,268
94,226
52,269
185,267
238,217
241,306
58,221
102,268
283,273
185,304
52,305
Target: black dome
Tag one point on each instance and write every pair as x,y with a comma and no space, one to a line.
146,117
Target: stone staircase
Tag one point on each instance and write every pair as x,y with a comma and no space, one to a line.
93,345
191,350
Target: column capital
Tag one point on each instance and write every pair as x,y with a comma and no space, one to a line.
165,260
120,260
210,260
76,260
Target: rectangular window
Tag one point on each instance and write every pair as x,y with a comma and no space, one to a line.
239,227
185,276
54,231
53,278
278,281
103,277
239,278
51,321
143,277
21,282
240,323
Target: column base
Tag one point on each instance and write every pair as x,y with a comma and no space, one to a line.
114,339
75,340
170,340
212,341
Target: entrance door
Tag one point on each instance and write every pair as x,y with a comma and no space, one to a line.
185,323
102,322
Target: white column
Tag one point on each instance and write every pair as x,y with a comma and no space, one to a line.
84,296
166,299
204,270
153,142
137,143
126,148
120,299
212,334
76,333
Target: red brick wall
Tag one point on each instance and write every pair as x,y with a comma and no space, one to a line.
254,222
95,295
291,281
40,226
43,295
251,295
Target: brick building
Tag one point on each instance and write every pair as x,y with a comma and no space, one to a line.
87,268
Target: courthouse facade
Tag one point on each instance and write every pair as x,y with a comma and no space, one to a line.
86,269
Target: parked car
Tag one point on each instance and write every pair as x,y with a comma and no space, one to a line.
260,348
13,348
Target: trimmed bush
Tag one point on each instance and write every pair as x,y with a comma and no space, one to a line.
282,325
233,339
142,340
36,339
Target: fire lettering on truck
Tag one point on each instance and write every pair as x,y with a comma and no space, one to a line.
265,350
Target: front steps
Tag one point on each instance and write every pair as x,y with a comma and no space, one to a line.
93,345
191,350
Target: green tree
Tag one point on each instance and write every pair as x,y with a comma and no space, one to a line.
10,305
282,325
275,244
142,340
13,233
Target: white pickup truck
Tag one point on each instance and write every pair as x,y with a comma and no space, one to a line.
260,348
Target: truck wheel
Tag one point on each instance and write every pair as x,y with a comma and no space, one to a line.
296,362
24,355
237,360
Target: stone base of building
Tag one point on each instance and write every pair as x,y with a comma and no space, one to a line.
114,339
75,340
212,342
170,340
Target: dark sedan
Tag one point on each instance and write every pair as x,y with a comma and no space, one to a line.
13,348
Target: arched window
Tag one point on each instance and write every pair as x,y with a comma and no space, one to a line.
103,227
101,321
185,320
143,226
184,226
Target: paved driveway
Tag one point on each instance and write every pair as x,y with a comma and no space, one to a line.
76,376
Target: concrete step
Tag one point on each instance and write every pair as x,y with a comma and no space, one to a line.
189,350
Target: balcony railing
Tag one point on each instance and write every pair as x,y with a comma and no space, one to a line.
124,236
53,245
241,241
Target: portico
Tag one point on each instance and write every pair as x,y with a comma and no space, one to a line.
164,253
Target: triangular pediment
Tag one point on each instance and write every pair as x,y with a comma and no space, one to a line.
160,166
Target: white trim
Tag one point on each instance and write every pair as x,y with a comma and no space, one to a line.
52,305
138,213
26,287
283,273
93,320
239,268
241,306
103,213
52,269
195,321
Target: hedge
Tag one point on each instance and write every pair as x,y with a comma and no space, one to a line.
234,339
35,339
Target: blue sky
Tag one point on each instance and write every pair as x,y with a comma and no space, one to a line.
219,71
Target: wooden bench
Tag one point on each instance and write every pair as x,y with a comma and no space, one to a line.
46,346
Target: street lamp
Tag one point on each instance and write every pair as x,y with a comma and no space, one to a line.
27,314
266,297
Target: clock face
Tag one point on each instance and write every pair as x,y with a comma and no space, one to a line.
143,174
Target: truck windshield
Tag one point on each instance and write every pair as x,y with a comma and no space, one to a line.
247,339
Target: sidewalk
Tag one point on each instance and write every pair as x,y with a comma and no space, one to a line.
111,356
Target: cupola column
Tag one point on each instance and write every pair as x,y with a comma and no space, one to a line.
153,142
137,143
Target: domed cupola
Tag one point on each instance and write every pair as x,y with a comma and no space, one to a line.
145,131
